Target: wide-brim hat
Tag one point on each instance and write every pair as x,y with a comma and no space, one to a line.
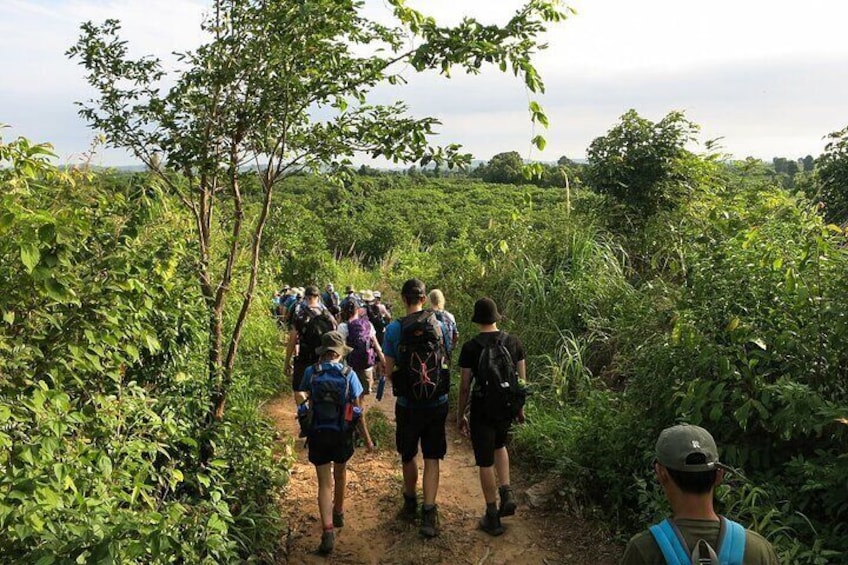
485,312
312,290
377,294
349,288
333,341
367,295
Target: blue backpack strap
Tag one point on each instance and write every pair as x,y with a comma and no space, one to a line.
668,540
731,542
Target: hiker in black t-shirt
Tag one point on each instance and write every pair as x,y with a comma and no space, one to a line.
495,362
309,321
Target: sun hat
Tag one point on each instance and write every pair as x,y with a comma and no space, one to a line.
333,341
677,443
377,294
485,312
413,288
312,290
349,288
367,295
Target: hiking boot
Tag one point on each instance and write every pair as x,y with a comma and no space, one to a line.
410,507
491,524
338,519
508,504
328,540
429,522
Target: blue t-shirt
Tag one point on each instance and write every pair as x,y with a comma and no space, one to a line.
356,389
391,342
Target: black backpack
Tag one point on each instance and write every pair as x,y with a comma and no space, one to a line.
421,351
377,320
332,303
497,378
311,326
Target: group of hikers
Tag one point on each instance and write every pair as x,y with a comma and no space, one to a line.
334,353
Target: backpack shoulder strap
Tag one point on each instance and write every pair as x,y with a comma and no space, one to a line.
731,542
669,540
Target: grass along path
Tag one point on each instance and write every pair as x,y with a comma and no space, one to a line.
374,533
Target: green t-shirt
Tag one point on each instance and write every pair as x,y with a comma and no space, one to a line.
643,550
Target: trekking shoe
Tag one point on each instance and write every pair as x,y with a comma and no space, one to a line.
491,524
429,522
410,507
328,540
338,519
508,504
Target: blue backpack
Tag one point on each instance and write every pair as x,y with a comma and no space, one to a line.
731,545
450,326
329,398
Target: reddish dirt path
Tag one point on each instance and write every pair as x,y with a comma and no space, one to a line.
374,533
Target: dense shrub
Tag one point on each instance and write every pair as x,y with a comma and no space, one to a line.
102,414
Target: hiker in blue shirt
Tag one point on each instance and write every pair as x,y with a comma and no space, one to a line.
437,303
334,394
416,353
330,298
350,296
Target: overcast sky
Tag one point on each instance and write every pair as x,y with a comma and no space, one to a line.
767,76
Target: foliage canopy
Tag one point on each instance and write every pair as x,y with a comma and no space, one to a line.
283,87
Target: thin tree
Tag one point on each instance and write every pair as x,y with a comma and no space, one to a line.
282,86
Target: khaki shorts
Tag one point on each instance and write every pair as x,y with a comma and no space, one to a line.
367,380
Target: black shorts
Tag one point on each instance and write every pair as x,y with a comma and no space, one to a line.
487,436
426,425
326,446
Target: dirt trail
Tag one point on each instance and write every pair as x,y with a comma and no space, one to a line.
374,533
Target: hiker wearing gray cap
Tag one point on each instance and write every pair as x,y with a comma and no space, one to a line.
688,469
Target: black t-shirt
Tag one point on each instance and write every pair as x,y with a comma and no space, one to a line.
469,357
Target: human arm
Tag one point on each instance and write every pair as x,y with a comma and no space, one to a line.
522,378
362,426
390,347
291,343
355,398
464,394
381,358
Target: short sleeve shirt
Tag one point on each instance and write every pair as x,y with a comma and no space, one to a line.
643,550
343,330
297,317
469,357
391,340
355,385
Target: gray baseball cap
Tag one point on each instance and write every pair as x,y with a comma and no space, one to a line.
677,443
